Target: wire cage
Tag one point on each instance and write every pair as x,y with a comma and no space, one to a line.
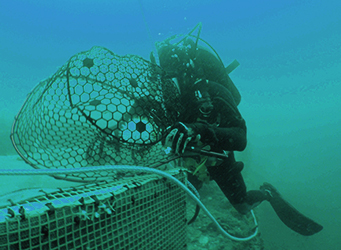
140,212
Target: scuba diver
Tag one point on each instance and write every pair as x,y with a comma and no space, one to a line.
210,120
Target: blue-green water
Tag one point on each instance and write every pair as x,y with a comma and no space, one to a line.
289,79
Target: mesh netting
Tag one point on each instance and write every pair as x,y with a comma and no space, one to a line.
97,109
139,213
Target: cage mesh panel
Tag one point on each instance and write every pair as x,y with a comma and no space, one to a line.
145,213
98,109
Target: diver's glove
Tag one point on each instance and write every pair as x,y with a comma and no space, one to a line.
182,134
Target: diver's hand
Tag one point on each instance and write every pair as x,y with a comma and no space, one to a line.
180,136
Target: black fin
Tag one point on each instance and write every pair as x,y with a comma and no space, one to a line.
289,215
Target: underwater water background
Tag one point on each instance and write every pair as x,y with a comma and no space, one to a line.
289,79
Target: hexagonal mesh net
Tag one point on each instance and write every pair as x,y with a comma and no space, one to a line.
97,109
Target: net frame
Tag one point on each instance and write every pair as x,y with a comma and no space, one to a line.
98,109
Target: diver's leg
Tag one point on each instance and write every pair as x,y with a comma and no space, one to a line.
233,186
230,180
228,177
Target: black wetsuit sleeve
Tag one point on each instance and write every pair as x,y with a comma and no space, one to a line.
230,139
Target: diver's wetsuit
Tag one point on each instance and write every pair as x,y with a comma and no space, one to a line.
206,89
210,101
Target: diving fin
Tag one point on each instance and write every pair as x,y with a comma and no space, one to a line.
289,215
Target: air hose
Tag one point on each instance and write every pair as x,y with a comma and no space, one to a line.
135,169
